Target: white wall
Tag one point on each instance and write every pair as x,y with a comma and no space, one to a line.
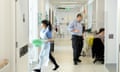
47,7
111,47
90,14
41,7
52,13
100,13
5,30
94,26
33,28
12,19
97,14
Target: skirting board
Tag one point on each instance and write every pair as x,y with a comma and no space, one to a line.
111,67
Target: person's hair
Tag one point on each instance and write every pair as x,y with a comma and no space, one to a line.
101,30
79,15
47,24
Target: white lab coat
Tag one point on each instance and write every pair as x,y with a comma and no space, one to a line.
45,49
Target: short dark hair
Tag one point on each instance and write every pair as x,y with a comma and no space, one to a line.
79,15
101,30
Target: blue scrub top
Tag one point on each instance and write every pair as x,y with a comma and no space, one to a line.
49,34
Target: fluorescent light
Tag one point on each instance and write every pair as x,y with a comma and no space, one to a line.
67,5
90,1
69,2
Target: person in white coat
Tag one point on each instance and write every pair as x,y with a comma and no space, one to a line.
45,55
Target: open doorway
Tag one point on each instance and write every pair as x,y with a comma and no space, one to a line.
61,14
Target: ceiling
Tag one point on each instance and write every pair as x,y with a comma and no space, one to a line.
69,4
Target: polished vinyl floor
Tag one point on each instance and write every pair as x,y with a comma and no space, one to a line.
63,56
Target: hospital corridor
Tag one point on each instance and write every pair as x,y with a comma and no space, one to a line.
63,55
59,35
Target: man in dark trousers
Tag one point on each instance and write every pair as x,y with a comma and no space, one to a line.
76,28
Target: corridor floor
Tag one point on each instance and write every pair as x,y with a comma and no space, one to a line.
63,55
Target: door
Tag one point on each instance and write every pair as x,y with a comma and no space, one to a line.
22,35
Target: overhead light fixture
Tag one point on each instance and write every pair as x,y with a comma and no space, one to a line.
70,6
69,2
90,1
